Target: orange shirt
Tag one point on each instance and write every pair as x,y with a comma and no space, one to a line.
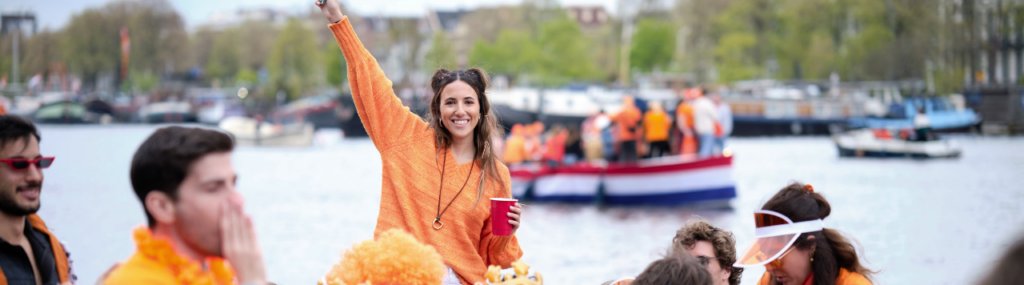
155,262
515,149
656,126
626,122
555,147
686,110
845,278
412,173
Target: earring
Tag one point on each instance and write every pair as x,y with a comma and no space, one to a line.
812,259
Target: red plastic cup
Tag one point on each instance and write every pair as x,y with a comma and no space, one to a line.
499,216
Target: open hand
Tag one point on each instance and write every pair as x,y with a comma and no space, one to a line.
239,245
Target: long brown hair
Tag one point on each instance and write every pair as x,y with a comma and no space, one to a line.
832,250
486,128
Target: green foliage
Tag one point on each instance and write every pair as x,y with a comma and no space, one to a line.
653,45
141,81
335,66
441,53
246,77
293,66
559,54
91,40
513,53
565,53
224,59
41,54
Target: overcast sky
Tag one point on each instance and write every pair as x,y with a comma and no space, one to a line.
53,14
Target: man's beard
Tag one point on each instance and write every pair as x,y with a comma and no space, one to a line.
10,207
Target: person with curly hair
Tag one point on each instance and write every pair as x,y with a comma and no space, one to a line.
713,247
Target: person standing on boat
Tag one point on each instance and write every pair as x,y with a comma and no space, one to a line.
627,130
554,147
29,252
429,165
724,127
684,122
922,125
515,146
705,117
593,143
795,247
656,127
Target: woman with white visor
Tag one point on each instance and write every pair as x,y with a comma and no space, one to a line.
795,247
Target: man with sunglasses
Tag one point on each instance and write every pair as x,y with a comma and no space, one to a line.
198,232
29,252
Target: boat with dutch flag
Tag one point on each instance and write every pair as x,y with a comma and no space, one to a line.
659,181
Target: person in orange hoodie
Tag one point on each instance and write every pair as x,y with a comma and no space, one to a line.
656,127
628,126
438,174
29,252
554,148
197,231
534,147
684,122
796,248
515,146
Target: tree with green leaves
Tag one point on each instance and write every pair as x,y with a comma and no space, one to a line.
294,62
565,53
224,61
335,66
514,53
91,41
41,53
653,45
441,53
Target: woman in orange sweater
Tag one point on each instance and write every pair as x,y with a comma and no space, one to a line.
428,165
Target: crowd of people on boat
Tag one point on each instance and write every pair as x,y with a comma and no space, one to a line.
697,127
197,230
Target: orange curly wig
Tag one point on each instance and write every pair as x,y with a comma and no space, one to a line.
396,257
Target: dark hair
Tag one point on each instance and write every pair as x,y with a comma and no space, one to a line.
721,240
832,251
163,160
677,268
14,128
1007,269
482,133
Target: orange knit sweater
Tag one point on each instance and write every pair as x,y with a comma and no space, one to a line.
412,173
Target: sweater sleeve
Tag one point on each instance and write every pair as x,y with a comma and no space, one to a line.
386,120
500,250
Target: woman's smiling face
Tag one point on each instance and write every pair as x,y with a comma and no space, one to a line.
460,110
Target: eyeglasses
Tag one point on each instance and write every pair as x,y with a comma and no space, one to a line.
704,260
23,163
777,263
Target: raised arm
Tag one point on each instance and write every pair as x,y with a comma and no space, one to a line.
386,120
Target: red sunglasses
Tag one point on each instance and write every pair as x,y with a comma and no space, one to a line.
23,163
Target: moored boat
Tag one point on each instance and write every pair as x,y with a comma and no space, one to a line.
661,181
